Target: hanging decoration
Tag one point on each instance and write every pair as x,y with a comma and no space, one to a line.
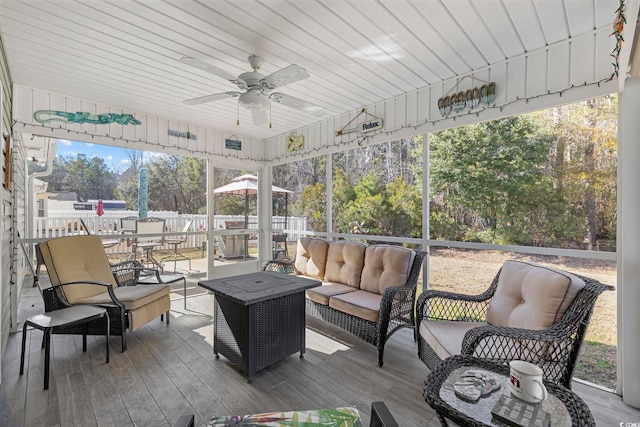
295,143
470,99
618,29
233,143
376,123
83,117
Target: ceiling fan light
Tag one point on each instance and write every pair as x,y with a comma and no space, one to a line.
253,100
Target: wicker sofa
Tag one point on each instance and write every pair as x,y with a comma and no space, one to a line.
368,291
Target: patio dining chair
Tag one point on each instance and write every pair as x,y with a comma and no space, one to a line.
175,242
80,273
529,312
105,243
148,225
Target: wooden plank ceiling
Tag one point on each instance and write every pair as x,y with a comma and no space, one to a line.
128,53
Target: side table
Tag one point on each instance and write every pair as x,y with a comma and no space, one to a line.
259,318
70,316
565,407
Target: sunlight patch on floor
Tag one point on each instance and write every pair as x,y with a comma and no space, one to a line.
323,344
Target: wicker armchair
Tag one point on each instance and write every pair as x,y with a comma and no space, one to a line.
465,317
80,273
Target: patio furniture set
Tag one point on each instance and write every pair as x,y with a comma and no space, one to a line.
529,312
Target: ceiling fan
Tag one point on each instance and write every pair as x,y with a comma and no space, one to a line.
258,90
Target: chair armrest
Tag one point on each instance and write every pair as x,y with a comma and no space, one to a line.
397,300
286,267
441,305
380,416
531,345
109,287
185,421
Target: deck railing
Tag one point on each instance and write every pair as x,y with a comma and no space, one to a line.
68,223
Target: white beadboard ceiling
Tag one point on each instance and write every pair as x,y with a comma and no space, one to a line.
127,52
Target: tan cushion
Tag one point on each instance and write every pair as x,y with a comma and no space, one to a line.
148,312
322,293
384,266
363,304
311,257
345,260
531,296
77,258
133,297
445,338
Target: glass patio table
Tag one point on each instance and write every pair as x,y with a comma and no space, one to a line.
564,406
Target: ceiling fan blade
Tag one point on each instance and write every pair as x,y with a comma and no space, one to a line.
209,68
287,75
298,104
259,117
208,98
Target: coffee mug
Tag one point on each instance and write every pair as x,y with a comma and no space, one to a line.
526,381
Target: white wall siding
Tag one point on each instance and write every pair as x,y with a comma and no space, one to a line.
151,135
574,70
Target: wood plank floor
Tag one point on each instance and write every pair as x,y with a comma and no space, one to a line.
170,370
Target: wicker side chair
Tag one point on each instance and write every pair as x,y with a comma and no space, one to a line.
80,273
468,319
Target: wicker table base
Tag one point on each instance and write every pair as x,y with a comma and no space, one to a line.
259,318
565,407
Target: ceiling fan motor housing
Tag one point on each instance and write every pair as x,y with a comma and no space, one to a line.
254,100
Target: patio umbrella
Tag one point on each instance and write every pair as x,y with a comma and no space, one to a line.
247,185
100,208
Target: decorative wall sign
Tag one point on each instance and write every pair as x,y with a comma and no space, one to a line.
295,143
82,117
369,126
181,134
232,144
470,99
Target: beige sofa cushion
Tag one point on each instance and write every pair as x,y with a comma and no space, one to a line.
384,266
76,258
345,260
531,296
445,338
363,304
322,293
311,257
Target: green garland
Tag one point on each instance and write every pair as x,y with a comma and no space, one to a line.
618,28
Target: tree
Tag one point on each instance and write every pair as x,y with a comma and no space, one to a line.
177,183
312,205
89,178
584,165
493,171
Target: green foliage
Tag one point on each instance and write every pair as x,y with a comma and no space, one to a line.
312,204
89,178
177,183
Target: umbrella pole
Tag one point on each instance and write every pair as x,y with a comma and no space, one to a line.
246,223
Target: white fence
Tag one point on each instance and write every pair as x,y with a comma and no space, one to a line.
68,223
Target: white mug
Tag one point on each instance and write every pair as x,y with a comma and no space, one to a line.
526,381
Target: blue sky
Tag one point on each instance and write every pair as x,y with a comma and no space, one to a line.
114,157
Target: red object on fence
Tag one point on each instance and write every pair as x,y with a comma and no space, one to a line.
100,208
